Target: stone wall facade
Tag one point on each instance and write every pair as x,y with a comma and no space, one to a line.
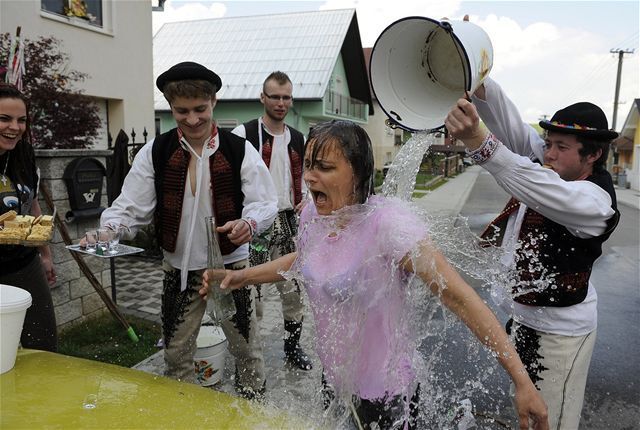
73,296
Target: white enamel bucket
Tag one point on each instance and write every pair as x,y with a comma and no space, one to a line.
13,307
210,355
420,67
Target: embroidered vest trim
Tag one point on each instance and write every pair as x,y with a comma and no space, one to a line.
553,265
171,176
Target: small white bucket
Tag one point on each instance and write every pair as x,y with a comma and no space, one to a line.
210,355
420,67
13,307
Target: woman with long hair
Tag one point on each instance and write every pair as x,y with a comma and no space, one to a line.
357,254
29,268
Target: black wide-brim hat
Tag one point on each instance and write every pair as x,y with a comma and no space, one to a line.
188,70
581,119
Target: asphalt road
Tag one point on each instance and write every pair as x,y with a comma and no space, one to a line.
612,399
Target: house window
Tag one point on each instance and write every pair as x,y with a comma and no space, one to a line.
89,10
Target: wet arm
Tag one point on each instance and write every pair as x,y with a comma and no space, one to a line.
462,300
261,274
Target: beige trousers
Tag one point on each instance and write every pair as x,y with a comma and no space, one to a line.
560,367
182,313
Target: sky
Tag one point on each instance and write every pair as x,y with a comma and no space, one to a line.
547,54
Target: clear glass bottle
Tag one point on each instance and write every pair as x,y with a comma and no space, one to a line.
220,304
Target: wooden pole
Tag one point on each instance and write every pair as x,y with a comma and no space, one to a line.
85,269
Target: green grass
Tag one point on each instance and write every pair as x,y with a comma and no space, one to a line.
104,339
421,191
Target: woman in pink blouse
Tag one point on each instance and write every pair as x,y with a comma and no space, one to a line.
357,253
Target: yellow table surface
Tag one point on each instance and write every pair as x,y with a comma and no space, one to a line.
48,390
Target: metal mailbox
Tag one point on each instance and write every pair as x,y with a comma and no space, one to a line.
84,180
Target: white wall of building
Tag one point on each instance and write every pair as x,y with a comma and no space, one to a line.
117,57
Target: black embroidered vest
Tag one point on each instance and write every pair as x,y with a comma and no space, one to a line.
295,150
553,265
171,163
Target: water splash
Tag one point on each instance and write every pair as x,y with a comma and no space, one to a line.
450,364
401,176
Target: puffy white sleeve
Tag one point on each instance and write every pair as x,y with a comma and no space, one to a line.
260,197
136,203
580,206
502,118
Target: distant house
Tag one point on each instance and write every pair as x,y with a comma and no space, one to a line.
627,146
320,51
109,40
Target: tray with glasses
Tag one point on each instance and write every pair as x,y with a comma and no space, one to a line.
26,230
105,252
104,242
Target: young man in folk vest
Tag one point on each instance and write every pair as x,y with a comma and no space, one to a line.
282,149
551,231
184,175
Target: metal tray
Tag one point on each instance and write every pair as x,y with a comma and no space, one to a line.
122,250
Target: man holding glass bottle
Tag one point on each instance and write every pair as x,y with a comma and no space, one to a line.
193,171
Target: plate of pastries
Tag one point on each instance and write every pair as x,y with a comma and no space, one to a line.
26,230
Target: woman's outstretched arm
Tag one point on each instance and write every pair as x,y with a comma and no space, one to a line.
261,274
461,299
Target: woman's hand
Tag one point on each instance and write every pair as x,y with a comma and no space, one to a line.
532,411
232,279
49,271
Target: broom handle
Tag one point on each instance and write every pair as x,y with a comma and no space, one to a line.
85,269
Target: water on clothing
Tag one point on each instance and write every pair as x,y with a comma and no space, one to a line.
457,375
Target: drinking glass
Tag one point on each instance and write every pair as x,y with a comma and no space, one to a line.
103,235
91,237
114,241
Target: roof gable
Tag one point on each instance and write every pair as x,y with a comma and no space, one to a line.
244,50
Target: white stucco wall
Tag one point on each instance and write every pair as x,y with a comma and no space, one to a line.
117,57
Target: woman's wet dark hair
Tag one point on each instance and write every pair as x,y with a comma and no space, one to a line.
355,145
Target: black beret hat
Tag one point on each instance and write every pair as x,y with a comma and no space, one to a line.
581,119
188,70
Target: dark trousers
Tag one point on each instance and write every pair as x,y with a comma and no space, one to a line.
39,330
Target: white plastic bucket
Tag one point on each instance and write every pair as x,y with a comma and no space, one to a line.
420,67
210,355
13,307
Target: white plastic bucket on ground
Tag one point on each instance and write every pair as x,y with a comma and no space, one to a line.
420,67
13,307
210,355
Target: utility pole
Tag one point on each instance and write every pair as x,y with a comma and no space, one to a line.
613,155
620,53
